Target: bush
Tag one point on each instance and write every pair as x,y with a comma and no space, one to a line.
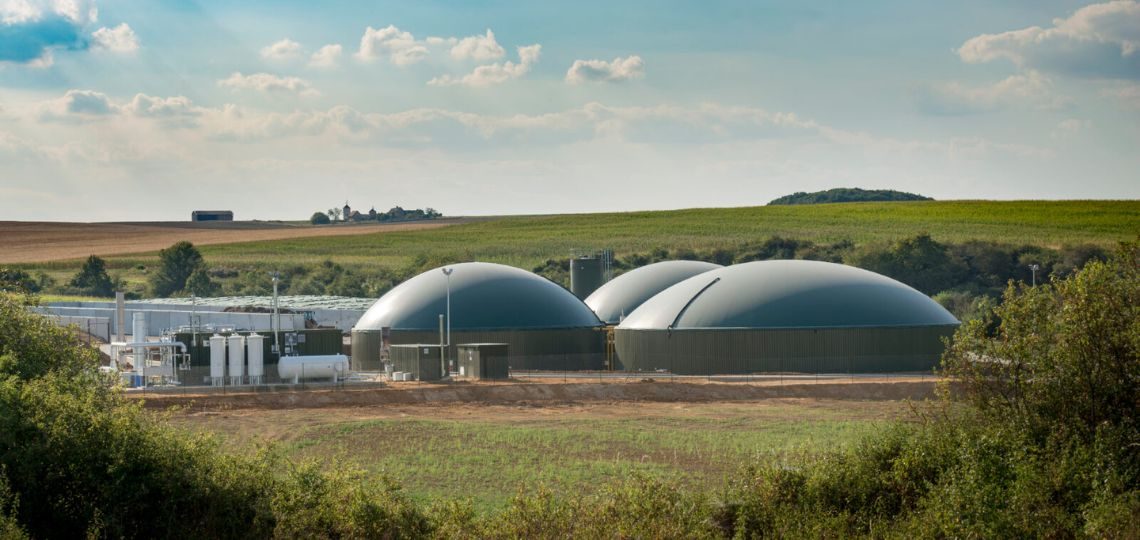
320,218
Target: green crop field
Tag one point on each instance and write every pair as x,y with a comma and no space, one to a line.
488,454
526,241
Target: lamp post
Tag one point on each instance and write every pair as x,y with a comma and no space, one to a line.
447,274
275,322
1034,268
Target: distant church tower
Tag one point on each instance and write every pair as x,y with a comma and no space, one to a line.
347,210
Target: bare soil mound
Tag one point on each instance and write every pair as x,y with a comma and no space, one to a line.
544,393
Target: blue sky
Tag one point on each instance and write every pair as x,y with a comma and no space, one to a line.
146,110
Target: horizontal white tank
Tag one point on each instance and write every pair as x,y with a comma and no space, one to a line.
327,366
217,359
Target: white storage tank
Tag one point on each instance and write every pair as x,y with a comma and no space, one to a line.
138,335
217,360
255,344
237,359
328,366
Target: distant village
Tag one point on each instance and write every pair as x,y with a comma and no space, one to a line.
348,214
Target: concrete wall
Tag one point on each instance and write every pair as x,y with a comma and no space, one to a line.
99,327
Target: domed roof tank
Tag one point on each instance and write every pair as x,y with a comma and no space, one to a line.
484,296
788,294
622,295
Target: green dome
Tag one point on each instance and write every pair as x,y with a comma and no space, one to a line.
484,296
787,294
622,295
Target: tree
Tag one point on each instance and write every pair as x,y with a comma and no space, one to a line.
92,278
320,218
13,280
176,264
1065,359
200,284
334,214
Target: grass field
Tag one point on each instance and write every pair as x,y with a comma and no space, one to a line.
527,241
489,452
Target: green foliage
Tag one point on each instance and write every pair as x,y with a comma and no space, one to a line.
918,261
200,284
842,195
92,279
177,263
319,218
17,281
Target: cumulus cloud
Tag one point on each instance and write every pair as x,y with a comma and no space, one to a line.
327,56
286,49
159,107
268,83
120,39
400,47
479,48
621,69
30,30
1031,90
496,73
1097,41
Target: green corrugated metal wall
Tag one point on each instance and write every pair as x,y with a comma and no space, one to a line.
366,346
822,350
554,349
421,360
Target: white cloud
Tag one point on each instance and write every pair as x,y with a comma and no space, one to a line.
401,47
621,69
159,107
269,83
1070,127
327,56
1097,41
1031,90
120,39
85,102
494,73
80,12
285,49
1127,93
479,48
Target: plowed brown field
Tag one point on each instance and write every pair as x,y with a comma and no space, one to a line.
30,242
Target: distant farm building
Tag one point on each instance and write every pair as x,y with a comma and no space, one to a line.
212,215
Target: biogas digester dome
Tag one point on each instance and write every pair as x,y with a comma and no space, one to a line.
785,316
622,295
544,325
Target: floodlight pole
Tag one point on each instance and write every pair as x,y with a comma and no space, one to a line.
1034,268
275,322
447,273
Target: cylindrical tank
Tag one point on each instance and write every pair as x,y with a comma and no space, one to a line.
586,275
138,335
217,359
327,366
237,358
255,344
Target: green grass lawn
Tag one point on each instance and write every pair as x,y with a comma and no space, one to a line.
490,457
